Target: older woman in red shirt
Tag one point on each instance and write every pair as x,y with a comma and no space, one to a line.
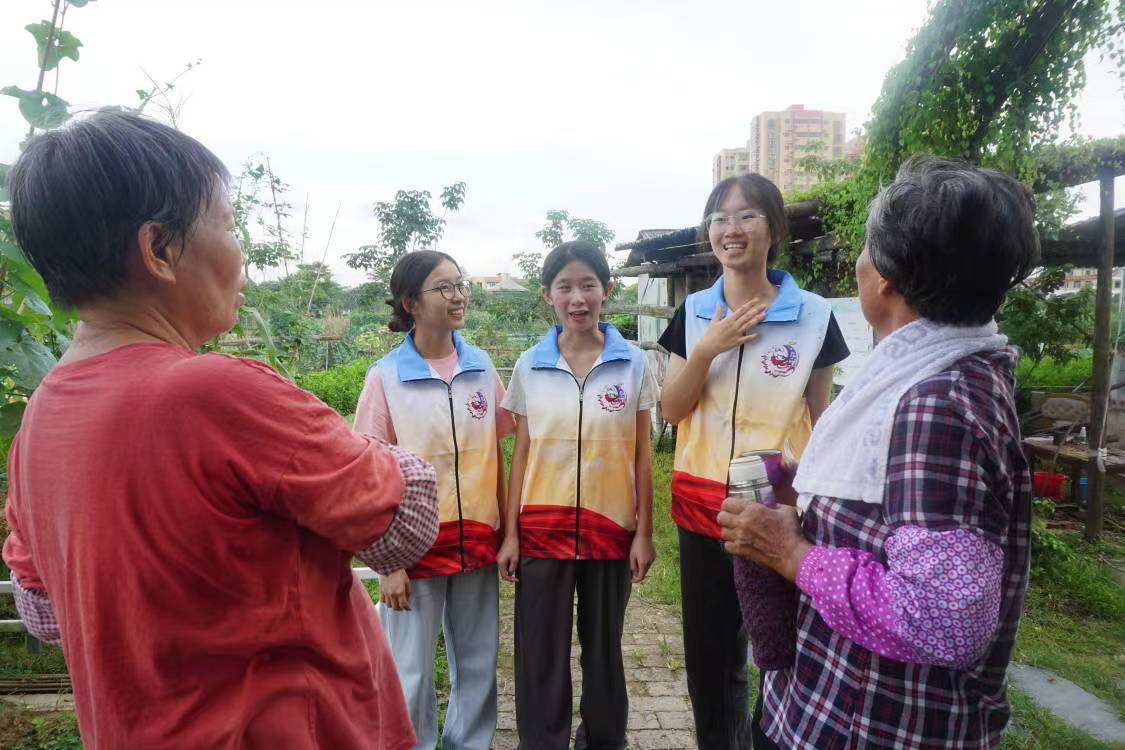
183,524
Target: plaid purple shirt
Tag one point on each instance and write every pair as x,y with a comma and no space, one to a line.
37,613
955,464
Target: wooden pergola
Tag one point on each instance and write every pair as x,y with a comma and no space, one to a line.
1099,242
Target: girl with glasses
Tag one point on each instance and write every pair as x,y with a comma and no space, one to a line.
750,369
438,396
580,511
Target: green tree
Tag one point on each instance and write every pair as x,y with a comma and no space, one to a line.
986,80
531,267
561,227
1043,323
312,285
278,211
826,170
990,81
407,223
261,216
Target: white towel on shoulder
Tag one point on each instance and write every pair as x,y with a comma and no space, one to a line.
846,457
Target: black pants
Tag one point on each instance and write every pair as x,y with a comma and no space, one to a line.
544,608
714,645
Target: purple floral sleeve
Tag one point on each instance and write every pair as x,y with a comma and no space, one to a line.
935,601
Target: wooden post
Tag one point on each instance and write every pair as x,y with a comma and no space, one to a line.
1095,501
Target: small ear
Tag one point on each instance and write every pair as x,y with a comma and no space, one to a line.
546,294
886,286
408,304
609,289
156,258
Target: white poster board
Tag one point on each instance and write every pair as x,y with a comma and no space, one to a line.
858,335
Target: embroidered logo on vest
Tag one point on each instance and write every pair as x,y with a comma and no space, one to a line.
780,361
613,398
477,405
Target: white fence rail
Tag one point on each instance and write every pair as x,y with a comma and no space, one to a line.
17,626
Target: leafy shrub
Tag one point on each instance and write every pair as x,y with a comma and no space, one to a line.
338,387
1067,568
1049,551
1052,374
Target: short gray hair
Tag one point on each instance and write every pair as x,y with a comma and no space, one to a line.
953,237
80,194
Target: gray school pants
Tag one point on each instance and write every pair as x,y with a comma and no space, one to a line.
467,606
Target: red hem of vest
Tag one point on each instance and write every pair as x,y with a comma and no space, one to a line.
444,558
696,503
548,531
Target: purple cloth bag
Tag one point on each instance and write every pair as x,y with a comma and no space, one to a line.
768,601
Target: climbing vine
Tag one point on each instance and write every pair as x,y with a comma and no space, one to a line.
990,81
33,331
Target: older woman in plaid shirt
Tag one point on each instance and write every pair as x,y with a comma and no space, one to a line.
912,552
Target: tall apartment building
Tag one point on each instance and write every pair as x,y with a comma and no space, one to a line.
779,139
730,162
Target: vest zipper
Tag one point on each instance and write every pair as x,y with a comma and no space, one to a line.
734,406
578,492
457,474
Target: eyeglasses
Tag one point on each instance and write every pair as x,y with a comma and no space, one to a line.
743,218
447,290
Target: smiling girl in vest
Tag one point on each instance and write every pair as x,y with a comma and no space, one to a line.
438,396
580,512
750,369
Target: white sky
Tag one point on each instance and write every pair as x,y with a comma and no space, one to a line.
611,113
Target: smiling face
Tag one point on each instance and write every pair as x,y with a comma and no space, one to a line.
739,233
576,294
440,305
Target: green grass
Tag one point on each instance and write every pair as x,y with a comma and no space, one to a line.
21,729
1074,621
1051,374
1035,728
15,659
663,582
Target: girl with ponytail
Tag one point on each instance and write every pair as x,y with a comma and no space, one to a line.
438,396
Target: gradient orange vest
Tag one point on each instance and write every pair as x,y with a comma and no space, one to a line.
453,426
753,399
579,492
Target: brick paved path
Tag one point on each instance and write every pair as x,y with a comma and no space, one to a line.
659,712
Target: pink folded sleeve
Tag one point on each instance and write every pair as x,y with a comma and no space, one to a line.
372,415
